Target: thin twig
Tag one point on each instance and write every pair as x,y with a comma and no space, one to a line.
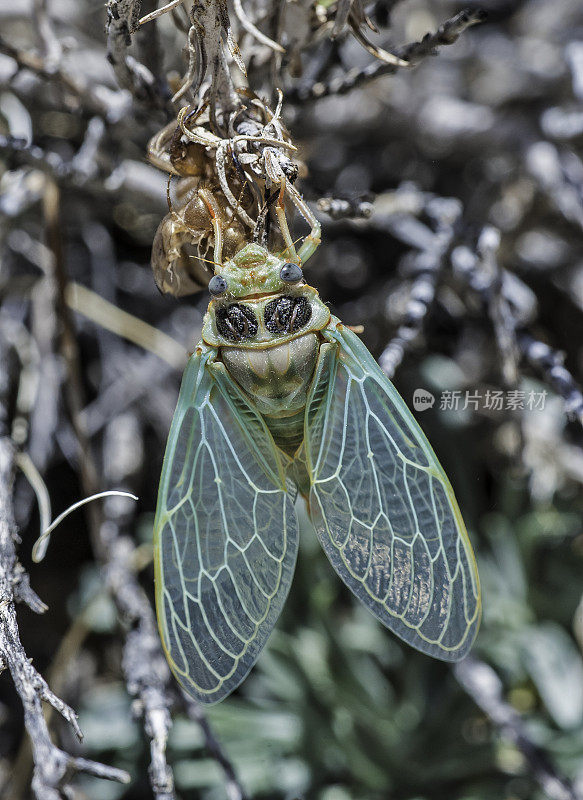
550,362
89,96
255,32
91,305
53,767
233,788
159,12
122,22
426,270
412,54
481,682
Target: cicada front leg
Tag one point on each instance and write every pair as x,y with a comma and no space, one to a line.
312,240
290,249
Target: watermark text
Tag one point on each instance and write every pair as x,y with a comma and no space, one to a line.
488,400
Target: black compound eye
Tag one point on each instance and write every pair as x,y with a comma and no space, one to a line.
291,273
217,285
236,322
287,314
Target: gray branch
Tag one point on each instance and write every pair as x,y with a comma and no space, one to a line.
425,270
93,98
550,363
481,682
53,767
144,665
122,23
414,52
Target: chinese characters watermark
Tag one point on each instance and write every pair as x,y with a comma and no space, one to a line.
489,400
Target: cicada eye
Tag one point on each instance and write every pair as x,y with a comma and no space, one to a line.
217,285
291,273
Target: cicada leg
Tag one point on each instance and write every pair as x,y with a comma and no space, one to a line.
215,215
313,239
290,250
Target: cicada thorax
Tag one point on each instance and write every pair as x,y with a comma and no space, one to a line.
270,351
266,329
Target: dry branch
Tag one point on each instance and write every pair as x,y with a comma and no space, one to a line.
425,270
53,767
85,95
412,53
485,687
550,362
122,23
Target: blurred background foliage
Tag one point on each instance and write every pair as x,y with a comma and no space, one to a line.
336,708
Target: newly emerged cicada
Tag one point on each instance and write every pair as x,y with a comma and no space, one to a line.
280,397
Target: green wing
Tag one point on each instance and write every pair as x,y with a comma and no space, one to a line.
383,507
225,535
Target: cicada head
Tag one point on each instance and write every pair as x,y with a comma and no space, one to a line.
252,271
259,300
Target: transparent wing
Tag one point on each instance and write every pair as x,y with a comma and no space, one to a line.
225,535
383,507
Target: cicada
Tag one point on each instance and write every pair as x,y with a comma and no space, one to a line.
281,401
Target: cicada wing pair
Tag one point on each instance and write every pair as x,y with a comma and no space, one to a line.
226,534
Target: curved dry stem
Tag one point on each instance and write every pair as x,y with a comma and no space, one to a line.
39,548
255,32
159,12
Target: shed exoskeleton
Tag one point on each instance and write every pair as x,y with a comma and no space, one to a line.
281,400
197,213
219,184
